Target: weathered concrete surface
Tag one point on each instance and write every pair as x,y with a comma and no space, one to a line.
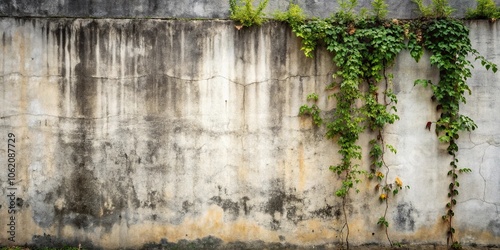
137,132
405,9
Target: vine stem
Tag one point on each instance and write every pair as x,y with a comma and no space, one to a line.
382,142
386,182
346,224
451,215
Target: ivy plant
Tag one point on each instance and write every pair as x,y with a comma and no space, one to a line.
448,42
363,48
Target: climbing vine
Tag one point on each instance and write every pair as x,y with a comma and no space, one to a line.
363,48
448,42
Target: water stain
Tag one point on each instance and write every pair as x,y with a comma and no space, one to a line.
405,217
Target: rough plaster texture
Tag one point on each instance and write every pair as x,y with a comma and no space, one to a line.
137,132
405,9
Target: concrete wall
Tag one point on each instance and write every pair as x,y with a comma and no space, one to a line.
131,132
405,9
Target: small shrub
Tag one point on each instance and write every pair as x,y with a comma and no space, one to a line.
379,9
486,9
437,9
246,14
294,16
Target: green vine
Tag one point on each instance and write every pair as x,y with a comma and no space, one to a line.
448,42
363,48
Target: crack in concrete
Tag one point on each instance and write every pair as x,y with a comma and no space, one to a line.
496,204
103,117
490,142
29,76
168,76
59,117
481,174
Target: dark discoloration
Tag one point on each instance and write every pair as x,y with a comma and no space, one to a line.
153,200
212,242
405,217
187,206
209,242
276,202
230,207
327,212
81,190
246,208
293,208
49,241
281,204
494,227
82,197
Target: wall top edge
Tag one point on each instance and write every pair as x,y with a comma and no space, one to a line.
192,9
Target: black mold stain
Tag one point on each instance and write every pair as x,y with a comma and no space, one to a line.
154,199
276,202
293,208
82,189
338,213
85,89
83,198
281,205
405,217
230,207
494,226
208,242
187,206
244,201
327,212
47,241
335,211
212,242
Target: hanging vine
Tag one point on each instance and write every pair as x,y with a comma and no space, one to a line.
363,48
448,42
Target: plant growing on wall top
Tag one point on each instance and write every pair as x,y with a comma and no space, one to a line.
437,8
246,14
485,9
294,15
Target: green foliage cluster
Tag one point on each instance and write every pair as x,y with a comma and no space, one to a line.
379,9
246,14
346,11
362,48
485,9
449,44
294,15
437,8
